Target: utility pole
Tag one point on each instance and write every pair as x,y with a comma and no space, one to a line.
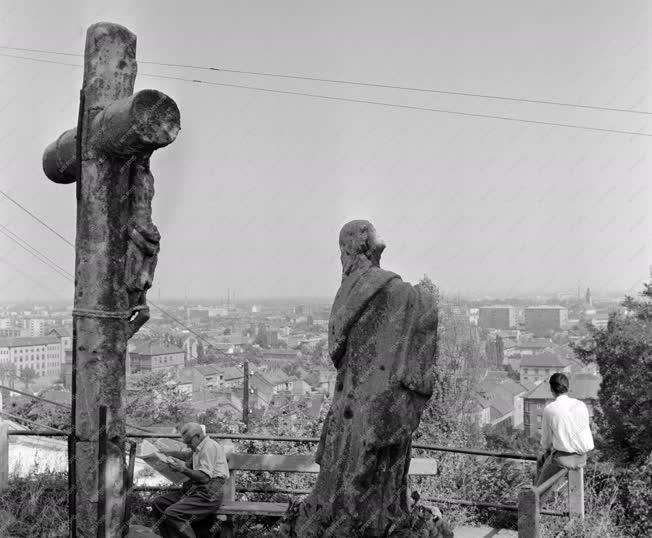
245,396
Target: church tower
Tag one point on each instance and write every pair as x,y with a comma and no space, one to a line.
588,298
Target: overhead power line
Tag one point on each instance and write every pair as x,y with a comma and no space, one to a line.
35,217
52,265
61,271
28,421
45,260
363,101
30,277
35,252
177,320
58,404
358,83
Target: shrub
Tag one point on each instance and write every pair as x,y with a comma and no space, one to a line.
36,505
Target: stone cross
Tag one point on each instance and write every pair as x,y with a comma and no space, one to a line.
117,244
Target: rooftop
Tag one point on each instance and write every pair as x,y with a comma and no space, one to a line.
155,348
184,376
540,343
28,341
582,387
61,331
275,377
544,360
506,387
546,307
206,369
500,406
288,352
231,372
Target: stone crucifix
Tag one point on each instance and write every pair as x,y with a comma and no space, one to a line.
116,251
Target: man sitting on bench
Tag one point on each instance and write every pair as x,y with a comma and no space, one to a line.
202,494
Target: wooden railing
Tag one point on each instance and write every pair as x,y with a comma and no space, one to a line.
529,501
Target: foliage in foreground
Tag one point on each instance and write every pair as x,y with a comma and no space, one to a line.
623,353
617,500
35,506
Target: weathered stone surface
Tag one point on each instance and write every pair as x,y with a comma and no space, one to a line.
134,125
383,342
116,251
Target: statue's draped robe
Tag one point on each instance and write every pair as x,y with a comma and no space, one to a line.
382,340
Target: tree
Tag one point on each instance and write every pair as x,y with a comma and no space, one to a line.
318,355
44,413
7,373
505,438
623,353
222,419
447,418
156,399
27,375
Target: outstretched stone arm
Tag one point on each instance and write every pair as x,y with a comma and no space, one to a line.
135,125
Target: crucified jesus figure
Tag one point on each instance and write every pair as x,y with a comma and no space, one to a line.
143,242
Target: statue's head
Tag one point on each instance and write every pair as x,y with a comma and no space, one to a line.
360,246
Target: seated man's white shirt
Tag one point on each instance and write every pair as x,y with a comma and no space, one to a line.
210,458
565,426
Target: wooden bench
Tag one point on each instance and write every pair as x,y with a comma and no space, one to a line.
282,464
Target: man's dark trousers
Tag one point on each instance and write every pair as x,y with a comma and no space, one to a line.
554,461
178,511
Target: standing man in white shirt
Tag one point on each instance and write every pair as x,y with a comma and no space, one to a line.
565,432
206,466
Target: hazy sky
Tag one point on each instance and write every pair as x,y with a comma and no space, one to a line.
252,194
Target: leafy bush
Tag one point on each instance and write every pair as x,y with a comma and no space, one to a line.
623,353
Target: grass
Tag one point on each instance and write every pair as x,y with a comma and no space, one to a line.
35,506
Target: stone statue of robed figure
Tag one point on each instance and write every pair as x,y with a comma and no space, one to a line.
383,342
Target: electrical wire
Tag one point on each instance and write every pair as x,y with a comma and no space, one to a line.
61,271
58,404
28,421
36,218
174,318
356,83
35,252
366,101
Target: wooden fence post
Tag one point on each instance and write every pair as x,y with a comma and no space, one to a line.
576,493
227,527
4,455
528,513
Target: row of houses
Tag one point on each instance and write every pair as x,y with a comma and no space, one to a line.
45,355
499,398
156,355
205,379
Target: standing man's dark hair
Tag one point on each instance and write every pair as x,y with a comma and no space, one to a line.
558,383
